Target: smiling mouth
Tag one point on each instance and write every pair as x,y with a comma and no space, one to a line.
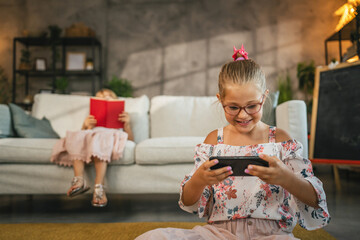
243,122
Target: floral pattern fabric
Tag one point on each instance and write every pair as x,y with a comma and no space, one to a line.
250,197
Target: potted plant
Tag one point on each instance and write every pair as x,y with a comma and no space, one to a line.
121,87
55,33
284,86
306,77
61,85
25,60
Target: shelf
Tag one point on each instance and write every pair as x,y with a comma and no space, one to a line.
75,41
57,73
52,72
344,33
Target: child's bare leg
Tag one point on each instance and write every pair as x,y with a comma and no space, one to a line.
100,169
78,166
99,198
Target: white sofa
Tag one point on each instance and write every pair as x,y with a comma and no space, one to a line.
166,130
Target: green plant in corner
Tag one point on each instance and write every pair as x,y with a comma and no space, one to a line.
284,87
121,87
306,77
61,85
25,60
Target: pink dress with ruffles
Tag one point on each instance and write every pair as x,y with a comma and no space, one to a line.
104,143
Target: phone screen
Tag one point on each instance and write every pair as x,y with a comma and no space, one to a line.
238,163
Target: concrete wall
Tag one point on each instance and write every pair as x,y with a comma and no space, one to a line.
176,47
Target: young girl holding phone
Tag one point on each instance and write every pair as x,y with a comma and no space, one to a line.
269,203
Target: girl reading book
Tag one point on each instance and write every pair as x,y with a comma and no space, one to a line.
97,145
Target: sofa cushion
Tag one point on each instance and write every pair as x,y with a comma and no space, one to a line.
128,155
65,112
26,150
175,116
68,112
5,122
138,109
36,150
29,127
167,150
291,117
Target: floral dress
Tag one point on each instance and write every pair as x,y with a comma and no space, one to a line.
250,197
247,207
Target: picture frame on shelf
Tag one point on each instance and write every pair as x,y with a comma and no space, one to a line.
40,64
75,61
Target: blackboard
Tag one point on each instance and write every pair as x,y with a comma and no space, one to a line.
335,125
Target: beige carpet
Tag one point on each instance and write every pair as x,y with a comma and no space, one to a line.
123,231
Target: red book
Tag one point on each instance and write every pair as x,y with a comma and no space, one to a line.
106,112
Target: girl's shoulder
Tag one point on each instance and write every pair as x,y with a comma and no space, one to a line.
211,138
282,136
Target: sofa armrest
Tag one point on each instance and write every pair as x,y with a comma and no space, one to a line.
6,129
291,117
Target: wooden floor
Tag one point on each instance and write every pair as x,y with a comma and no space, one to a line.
344,207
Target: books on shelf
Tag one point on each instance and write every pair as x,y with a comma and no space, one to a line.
106,112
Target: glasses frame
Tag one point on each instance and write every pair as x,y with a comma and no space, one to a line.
241,108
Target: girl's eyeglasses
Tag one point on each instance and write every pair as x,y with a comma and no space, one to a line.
250,109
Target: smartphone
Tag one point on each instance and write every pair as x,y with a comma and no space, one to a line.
238,163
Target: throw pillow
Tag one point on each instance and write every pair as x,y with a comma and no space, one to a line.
29,127
269,116
5,122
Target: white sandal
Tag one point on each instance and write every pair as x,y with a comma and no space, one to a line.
80,184
99,194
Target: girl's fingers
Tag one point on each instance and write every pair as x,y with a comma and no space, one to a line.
216,172
269,159
123,114
221,171
258,168
217,175
226,174
123,118
218,178
210,163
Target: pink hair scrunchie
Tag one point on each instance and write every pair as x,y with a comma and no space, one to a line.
240,54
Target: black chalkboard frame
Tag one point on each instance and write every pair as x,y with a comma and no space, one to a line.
314,117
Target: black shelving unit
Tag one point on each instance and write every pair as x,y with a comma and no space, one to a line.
52,72
344,34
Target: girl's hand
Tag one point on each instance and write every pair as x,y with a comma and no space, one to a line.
90,122
204,176
277,173
124,117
